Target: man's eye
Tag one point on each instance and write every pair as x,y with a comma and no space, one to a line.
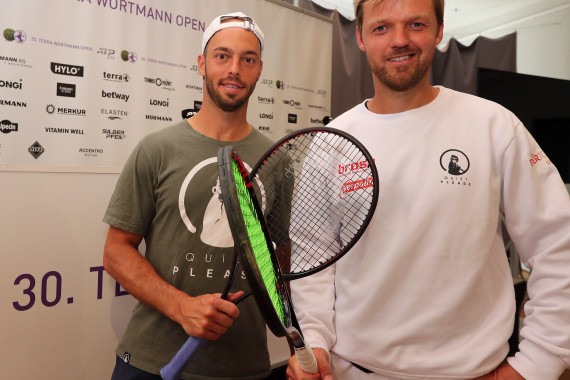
380,28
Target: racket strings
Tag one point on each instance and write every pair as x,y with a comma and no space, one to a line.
259,244
329,207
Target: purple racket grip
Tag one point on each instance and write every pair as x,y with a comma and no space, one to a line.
183,357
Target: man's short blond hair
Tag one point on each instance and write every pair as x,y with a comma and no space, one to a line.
438,6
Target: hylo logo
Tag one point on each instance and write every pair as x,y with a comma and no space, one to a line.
63,69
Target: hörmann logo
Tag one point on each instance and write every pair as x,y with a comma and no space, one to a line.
13,103
63,69
6,126
158,118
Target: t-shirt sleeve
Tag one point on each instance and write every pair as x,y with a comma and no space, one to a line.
132,204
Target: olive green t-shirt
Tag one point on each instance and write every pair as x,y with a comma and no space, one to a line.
169,193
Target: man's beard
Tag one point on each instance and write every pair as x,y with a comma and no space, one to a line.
227,105
401,83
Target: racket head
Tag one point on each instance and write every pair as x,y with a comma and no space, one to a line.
326,194
252,241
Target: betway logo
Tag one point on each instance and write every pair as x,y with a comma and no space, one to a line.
63,69
114,95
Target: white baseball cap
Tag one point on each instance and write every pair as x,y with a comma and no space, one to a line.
218,24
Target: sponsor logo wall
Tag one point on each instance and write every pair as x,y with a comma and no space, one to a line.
79,91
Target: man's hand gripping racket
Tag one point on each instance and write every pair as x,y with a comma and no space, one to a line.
318,189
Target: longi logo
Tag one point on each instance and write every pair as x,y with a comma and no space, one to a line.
36,150
160,103
8,84
63,69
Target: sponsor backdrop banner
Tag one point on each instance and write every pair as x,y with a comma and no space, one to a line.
81,82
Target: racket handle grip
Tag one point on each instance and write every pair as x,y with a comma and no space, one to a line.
307,359
183,357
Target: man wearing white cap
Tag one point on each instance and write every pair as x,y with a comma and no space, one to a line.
168,194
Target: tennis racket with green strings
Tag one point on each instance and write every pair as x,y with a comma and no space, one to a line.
312,195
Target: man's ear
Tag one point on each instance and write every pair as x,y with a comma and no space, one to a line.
202,65
359,40
260,70
439,36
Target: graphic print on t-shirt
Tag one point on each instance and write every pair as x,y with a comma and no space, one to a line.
215,227
455,164
454,161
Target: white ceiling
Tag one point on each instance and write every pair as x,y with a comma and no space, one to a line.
465,18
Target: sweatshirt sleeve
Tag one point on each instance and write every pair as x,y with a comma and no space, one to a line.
537,214
313,299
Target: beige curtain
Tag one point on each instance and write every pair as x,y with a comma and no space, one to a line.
351,76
